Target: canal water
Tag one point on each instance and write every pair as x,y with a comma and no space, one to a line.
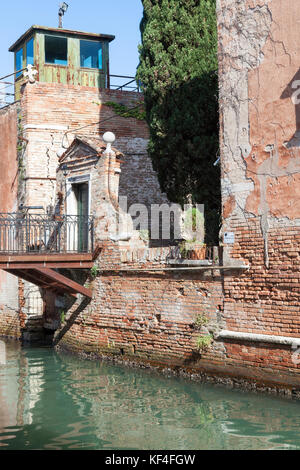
56,401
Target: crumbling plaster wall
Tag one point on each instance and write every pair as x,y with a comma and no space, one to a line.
259,56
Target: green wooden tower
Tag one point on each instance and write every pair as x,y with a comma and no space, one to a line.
63,56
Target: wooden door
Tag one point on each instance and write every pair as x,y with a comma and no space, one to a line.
82,195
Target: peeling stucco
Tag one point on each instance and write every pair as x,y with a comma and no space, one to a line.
259,133
243,33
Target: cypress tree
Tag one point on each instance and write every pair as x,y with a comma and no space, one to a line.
178,71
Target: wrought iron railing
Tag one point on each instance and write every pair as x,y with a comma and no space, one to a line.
28,233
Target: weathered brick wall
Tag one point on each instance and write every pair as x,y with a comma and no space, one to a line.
265,300
259,61
48,111
69,108
9,321
149,316
8,203
143,314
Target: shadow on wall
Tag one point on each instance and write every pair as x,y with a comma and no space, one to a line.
71,320
292,91
80,276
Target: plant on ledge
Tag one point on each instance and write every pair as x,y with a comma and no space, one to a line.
200,321
94,271
193,246
203,342
144,235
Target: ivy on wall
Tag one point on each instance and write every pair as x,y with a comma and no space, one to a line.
21,149
137,111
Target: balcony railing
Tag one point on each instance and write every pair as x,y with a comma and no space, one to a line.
29,234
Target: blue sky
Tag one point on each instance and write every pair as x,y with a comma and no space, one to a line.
118,17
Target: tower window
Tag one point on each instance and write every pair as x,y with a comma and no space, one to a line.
19,61
90,54
56,50
29,52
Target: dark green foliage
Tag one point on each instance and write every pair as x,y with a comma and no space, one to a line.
178,71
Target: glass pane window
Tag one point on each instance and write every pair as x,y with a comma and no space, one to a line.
19,61
90,54
56,50
30,52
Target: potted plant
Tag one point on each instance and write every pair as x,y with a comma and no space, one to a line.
193,249
193,246
144,235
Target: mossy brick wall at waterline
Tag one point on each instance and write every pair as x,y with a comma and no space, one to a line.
147,314
157,317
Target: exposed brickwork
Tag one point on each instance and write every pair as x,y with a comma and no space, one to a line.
260,170
8,160
72,107
149,315
265,300
9,323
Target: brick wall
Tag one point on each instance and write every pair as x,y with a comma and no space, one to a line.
260,173
72,107
150,317
143,314
68,108
9,323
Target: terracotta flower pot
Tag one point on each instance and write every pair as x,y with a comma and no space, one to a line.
197,252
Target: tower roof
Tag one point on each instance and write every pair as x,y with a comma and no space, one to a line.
57,31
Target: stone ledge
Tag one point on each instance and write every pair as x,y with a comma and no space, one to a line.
190,262
259,338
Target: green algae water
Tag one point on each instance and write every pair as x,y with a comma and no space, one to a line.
56,401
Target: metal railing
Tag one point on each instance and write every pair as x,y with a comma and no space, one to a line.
131,85
28,233
7,95
7,89
110,81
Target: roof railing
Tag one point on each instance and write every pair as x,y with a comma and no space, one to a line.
111,81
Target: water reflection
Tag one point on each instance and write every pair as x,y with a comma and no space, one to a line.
51,401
